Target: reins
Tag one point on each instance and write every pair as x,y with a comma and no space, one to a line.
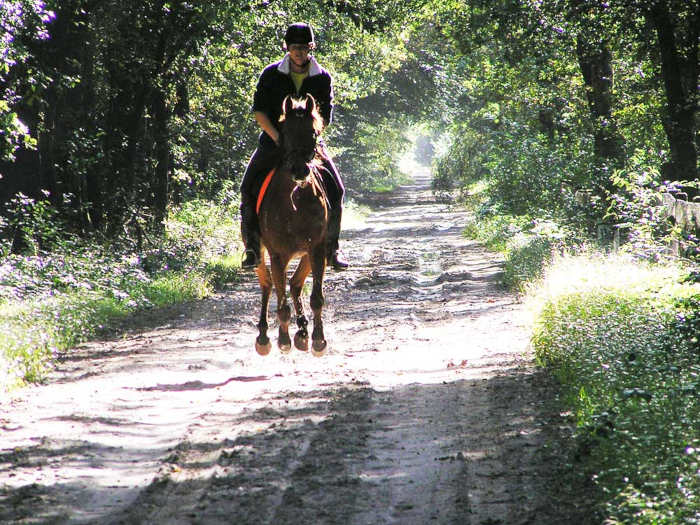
314,180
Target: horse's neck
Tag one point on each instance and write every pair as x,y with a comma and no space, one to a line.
310,193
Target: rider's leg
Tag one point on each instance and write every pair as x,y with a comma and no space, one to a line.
260,163
335,190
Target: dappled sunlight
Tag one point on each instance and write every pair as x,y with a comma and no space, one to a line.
598,273
571,274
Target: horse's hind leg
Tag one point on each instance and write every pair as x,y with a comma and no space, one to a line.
301,338
318,268
262,342
284,312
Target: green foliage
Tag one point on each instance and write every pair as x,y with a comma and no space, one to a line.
639,210
50,302
223,269
15,133
372,164
520,128
531,117
35,222
174,288
207,228
528,245
617,339
135,105
461,165
23,22
35,331
494,229
526,259
685,328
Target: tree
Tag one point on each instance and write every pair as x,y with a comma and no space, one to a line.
136,104
21,21
677,27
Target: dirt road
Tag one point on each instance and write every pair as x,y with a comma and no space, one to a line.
426,408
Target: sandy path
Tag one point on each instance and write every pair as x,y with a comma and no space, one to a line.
426,408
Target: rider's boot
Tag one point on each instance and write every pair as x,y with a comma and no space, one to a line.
250,235
335,257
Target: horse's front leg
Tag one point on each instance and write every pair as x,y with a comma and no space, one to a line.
262,342
278,266
318,268
301,338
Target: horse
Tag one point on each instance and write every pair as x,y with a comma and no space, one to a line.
293,219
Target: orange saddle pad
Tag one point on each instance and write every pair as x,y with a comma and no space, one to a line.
263,189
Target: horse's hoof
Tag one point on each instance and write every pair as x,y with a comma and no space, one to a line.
319,347
263,349
301,341
284,343
263,345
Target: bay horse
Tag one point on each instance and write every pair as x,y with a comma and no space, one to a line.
293,219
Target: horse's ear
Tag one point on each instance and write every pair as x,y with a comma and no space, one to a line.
309,103
287,105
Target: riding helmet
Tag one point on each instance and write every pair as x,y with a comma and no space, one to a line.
299,33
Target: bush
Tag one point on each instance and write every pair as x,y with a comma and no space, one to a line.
35,331
641,215
685,330
528,245
52,301
618,336
526,259
494,229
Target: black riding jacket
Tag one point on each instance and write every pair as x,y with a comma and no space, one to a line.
275,84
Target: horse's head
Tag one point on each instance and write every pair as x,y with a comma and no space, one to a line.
300,126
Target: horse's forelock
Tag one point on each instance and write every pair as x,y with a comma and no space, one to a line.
301,103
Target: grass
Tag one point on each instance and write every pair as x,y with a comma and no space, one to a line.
37,330
621,336
615,333
528,245
51,302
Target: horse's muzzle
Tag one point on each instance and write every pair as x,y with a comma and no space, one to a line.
300,172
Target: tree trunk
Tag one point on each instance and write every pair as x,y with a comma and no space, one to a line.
160,183
595,62
679,69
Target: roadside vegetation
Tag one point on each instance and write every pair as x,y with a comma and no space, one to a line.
53,300
619,329
621,336
616,320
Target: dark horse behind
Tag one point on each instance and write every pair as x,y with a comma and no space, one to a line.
293,218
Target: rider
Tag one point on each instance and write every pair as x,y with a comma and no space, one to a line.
297,74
